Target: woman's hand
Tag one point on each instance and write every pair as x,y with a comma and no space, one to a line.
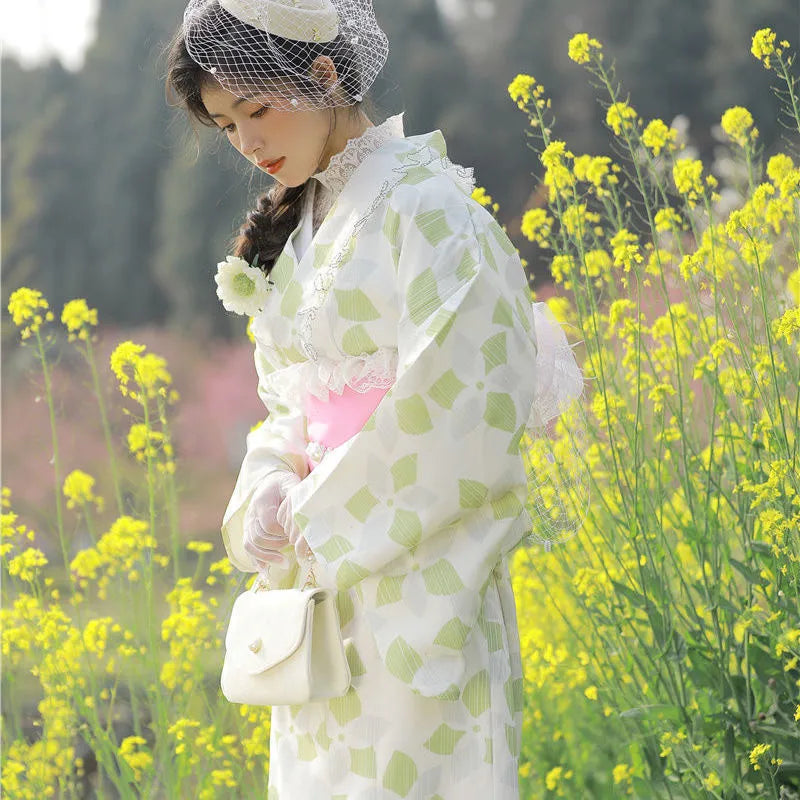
264,536
286,520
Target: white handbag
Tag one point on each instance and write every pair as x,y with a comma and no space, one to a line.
284,647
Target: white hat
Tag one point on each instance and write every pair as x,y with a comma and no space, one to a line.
301,20
268,47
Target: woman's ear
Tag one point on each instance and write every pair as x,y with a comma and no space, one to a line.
323,71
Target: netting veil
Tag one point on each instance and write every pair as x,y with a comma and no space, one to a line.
274,50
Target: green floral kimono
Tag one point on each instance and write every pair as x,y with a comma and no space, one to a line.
407,283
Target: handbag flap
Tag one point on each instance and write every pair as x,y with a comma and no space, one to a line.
266,627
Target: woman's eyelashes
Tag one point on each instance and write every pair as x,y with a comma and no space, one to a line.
231,126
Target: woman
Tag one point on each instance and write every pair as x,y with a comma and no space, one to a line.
395,355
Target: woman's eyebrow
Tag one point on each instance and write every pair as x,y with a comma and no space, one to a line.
235,103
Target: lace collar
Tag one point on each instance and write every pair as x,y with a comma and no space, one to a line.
343,164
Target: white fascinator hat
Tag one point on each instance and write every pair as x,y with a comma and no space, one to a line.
267,49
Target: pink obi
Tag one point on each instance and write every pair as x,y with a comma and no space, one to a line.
333,421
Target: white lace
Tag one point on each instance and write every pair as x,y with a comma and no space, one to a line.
342,165
290,386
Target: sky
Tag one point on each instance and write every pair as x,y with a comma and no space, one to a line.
34,30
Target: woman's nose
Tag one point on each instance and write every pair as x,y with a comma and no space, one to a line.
250,141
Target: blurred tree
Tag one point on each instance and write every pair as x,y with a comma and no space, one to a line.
103,198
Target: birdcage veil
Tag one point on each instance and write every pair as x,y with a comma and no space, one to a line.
269,50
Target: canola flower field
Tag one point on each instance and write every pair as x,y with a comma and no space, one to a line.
661,645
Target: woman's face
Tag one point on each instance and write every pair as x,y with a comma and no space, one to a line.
289,145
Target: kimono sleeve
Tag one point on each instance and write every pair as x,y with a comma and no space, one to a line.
277,444
418,507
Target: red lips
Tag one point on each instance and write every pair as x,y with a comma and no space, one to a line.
272,166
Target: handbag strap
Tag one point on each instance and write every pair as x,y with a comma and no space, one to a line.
262,582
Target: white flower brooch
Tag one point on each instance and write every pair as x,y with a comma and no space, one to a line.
243,289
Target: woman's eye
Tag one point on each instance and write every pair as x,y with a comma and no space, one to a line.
261,111
229,128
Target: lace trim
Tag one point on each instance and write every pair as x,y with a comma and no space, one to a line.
420,157
343,164
291,385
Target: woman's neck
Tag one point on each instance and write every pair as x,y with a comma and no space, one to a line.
350,126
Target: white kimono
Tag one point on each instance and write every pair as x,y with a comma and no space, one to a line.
407,283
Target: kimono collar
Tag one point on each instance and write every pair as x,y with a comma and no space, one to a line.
343,164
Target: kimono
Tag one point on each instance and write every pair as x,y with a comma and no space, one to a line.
412,286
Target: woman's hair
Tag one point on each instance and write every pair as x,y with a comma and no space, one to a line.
277,212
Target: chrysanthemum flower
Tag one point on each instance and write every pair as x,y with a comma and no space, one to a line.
243,289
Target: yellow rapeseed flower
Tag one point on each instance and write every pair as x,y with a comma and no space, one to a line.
763,45
622,773
793,286
756,753
78,318
537,225
125,356
148,371
582,48
787,325
625,249
200,547
687,174
737,122
712,781
778,167
523,89
28,309
481,196
667,219
79,490
138,760
598,263
658,136
27,564
597,171
558,177
620,116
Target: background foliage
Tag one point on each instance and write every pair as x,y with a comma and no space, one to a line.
102,197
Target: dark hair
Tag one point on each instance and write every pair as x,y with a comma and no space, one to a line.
267,227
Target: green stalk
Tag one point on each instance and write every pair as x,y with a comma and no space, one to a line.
54,439
89,355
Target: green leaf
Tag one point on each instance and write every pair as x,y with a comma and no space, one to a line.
634,598
653,711
748,573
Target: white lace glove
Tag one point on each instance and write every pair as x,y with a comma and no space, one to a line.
296,539
264,536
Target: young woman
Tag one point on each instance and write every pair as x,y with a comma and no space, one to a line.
396,356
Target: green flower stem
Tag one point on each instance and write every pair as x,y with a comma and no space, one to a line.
170,490
112,460
54,439
161,711
790,81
